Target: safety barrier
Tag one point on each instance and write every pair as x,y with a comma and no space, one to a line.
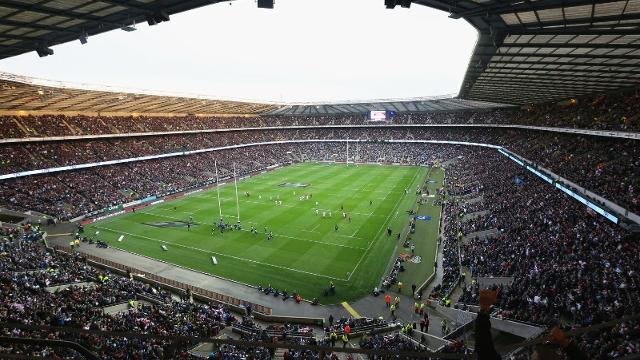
135,205
602,133
209,295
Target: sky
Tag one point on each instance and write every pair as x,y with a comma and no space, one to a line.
301,51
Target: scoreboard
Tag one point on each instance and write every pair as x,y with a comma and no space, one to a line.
380,115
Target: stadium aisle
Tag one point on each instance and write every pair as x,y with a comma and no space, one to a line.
202,280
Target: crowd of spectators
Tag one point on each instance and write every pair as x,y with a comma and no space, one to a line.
609,167
568,264
248,326
391,342
281,335
352,325
28,270
449,242
67,195
611,111
619,341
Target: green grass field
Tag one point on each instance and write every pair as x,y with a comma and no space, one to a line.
306,252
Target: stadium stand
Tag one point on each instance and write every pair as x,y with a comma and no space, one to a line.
30,270
610,111
550,83
563,239
606,166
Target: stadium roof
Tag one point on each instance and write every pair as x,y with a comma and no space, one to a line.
528,51
20,93
541,50
33,95
433,104
35,25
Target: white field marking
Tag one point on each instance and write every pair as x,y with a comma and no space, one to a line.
315,227
253,222
227,216
235,217
310,231
318,242
350,236
375,239
376,198
217,253
275,234
106,221
368,215
172,211
379,189
214,197
307,208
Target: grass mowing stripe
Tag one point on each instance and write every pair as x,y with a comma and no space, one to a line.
214,252
425,237
245,230
304,207
330,254
375,239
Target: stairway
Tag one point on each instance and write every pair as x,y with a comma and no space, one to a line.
22,127
457,291
73,130
279,354
294,157
474,215
114,130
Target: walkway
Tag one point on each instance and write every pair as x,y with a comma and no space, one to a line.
474,215
369,306
481,234
205,281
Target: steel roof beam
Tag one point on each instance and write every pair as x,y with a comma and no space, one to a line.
562,76
546,82
545,71
499,83
131,5
571,45
18,37
589,30
55,12
20,24
561,63
553,82
448,6
533,92
520,6
586,21
573,56
537,95
513,90
522,99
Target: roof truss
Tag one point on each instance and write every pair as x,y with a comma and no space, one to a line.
570,47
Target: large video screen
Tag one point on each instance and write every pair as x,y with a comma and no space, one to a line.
378,115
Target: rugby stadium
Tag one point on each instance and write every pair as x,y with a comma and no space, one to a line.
501,222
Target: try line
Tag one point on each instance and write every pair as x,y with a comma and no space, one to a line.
217,253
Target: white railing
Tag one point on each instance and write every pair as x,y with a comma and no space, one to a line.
603,133
520,160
